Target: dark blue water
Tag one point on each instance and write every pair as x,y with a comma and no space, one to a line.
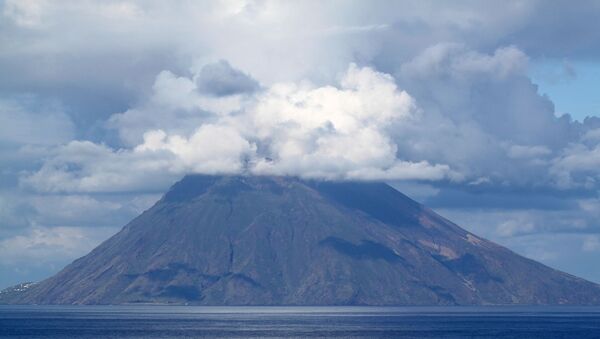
297,322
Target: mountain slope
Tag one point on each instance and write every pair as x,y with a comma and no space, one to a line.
235,240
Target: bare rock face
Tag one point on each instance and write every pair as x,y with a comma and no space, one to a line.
237,240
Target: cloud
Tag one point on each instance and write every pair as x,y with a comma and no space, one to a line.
511,228
220,79
456,61
40,233
86,210
265,39
211,149
332,132
14,213
42,242
175,106
329,132
38,252
471,117
28,122
26,13
553,237
527,152
591,243
577,166
483,117
509,215
83,166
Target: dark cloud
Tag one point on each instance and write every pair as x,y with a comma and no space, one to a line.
460,198
220,79
559,29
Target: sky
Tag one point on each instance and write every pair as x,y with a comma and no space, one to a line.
487,112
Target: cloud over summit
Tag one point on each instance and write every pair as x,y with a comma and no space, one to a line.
449,114
329,132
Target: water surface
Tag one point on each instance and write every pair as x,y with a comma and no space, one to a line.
297,322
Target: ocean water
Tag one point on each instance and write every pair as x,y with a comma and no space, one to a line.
297,322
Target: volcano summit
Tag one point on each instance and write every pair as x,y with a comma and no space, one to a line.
251,240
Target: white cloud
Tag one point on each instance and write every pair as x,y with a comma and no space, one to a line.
82,166
175,106
471,117
341,132
364,127
211,149
335,132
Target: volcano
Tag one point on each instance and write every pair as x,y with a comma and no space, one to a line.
260,240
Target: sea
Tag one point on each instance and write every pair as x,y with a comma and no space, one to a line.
298,322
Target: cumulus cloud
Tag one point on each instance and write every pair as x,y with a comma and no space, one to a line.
220,79
577,166
273,41
211,149
335,132
483,117
330,132
176,106
470,117
83,166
